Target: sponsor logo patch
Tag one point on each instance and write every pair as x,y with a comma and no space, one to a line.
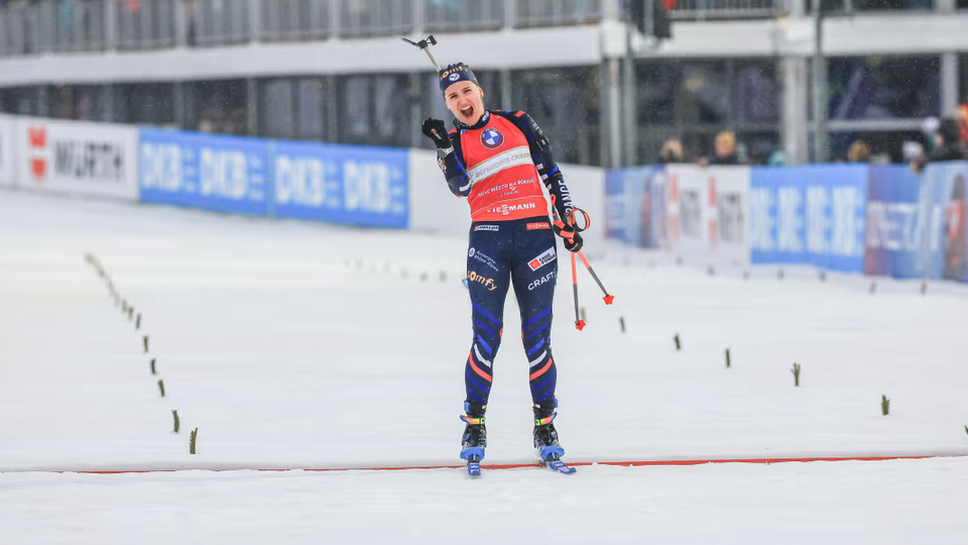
491,138
488,283
535,226
487,228
546,257
543,280
505,209
483,258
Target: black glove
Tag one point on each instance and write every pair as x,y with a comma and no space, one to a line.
572,238
436,131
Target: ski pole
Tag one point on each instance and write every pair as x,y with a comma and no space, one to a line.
579,323
608,298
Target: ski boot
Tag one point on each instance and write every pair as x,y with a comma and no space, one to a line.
475,437
546,445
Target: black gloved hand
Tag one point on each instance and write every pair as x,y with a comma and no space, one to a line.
572,238
436,131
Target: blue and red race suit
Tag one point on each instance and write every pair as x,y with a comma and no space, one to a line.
499,165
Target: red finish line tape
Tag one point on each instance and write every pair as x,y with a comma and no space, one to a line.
634,463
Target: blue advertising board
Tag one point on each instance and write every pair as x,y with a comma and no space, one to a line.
634,205
944,201
341,184
212,172
895,234
809,215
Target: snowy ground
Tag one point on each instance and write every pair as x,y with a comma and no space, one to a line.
304,345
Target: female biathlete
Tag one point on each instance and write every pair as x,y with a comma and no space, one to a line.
498,160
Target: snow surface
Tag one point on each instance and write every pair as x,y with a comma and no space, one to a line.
305,345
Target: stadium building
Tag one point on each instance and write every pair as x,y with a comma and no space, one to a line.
336,70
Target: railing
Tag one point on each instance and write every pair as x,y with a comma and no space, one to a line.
41,26
727,9
537,13
220,22
375,17
145,24
294,20
463,15
79,25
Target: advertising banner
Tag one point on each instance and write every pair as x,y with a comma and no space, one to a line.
944,201
809,215
728,194
895,231
635,206
341,184
691,221
7,177
218,173
73,157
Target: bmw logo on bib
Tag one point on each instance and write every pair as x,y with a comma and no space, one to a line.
491,138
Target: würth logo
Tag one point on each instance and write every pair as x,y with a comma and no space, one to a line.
37,137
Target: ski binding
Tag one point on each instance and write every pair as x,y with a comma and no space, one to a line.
474,466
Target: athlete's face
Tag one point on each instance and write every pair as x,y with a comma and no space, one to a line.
466,101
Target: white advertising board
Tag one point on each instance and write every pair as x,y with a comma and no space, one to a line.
729,188
7,157
708,211
77,158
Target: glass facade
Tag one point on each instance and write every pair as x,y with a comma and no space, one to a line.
145,104
884,87
565,103
693,100
374,110
216,106
293,108
81,102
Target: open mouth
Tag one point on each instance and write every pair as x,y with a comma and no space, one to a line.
467,112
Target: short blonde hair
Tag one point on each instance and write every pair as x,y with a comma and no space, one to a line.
726,138
859,152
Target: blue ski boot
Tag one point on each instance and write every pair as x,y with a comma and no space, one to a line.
475,437
546,445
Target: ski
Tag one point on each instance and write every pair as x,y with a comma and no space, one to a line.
555,464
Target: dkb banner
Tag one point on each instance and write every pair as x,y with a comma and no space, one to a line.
219,173
809,215
944,201
895,232
341,184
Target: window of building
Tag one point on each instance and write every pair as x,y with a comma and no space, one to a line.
840,7
144,103
80,102
218,106
19,100
565,103
878,87
293,108
375,110
692,100
963,76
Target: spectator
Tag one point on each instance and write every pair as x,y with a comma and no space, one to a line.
725,151
948,146
672,152
859,152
